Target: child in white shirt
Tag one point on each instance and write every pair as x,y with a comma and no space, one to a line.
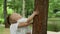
19,25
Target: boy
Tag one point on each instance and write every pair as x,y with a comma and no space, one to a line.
19,24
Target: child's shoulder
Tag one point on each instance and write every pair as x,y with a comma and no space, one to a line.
22,20
13,25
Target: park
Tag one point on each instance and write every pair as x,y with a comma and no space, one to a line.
46,22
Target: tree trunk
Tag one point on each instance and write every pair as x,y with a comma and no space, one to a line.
5,12
40,21
23,11
14,6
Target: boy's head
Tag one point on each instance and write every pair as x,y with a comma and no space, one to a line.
14,17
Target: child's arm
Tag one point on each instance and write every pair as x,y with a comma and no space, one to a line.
31,17
28,20
22,24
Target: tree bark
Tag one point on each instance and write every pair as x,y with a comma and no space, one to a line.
5,12
40,21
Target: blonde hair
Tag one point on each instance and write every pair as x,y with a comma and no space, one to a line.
14,17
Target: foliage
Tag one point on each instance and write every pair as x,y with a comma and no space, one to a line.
16,5
29,7
9,11
53,4
53,24
1,20
1,2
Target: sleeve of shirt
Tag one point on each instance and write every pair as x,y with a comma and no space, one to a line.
22,20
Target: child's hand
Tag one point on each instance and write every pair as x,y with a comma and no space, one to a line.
36,12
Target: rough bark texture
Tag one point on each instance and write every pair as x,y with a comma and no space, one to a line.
40,21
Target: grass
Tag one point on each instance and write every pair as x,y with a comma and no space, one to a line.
1,29
4,30
53,24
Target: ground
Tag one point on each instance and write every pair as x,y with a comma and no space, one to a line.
4,30
7,31
48,32
1,29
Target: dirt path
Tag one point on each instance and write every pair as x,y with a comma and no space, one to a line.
50,32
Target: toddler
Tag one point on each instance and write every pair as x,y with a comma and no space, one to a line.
19,24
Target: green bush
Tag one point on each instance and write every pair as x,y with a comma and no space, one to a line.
9,11
53,27
1,20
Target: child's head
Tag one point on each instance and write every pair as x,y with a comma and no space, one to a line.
14,17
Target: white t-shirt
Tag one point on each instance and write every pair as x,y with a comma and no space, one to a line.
15,30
